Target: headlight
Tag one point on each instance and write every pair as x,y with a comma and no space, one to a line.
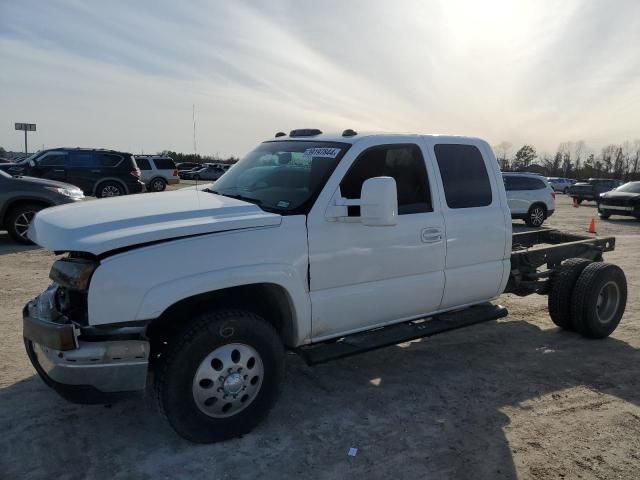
73,273
67,192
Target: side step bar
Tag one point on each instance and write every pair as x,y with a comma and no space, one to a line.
403,332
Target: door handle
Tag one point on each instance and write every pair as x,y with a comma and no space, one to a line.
95,171
431,235
58,170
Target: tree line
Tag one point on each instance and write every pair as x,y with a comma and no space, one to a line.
574,160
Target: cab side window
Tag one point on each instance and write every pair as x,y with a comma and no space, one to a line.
404,163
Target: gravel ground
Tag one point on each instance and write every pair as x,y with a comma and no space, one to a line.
516,398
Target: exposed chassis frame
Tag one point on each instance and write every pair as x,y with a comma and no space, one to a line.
531,250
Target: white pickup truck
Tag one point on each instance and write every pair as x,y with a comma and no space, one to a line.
324,245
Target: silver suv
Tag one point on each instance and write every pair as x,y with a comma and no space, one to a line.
157,171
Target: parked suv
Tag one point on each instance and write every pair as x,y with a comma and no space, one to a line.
103,173
560,184
157,171
22,197
530,197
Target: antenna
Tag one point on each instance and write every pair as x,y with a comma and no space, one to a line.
195,149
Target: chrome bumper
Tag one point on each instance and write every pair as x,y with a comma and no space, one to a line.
80,370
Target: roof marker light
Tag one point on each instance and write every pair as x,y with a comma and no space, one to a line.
305,132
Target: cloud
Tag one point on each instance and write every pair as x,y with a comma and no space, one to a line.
125,74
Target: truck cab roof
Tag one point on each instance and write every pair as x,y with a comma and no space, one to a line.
355,137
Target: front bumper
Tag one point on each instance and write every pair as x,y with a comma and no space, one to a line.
82,371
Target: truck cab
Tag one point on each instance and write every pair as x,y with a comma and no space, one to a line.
309,240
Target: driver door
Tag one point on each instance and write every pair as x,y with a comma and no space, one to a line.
362,276
52,166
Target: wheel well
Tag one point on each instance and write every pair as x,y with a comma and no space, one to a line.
21,201
158,177
114,180
267,300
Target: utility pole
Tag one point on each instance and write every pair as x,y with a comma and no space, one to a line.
195,149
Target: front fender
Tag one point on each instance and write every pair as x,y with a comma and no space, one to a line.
142,283
162,296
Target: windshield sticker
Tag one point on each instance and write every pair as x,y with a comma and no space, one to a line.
283,204
322,152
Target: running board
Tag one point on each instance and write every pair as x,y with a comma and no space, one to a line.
403,332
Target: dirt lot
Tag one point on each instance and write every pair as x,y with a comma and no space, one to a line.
515,398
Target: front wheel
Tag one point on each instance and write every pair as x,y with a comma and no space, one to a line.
566,191
220,376
157,185
536,216
18,221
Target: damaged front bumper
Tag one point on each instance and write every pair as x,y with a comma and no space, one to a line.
81,371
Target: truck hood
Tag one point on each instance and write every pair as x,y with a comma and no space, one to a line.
100,226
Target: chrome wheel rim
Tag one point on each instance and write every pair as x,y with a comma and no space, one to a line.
537,217
608,302
228,380
110,191
22,222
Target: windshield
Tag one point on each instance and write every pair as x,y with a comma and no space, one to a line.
30,157
284,177
631,187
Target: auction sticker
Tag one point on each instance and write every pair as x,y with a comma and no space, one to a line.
322,152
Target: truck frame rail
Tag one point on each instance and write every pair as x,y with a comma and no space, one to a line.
532,250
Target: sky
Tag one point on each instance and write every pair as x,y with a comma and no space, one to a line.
125,75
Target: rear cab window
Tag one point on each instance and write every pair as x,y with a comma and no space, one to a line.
464,176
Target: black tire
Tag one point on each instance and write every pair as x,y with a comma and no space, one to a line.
18,220
536,215
562,285
187,351
110,189
157,185
566,191
599,299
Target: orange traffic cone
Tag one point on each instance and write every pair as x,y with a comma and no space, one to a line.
592,226
575,203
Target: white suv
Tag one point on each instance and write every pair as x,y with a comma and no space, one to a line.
530,197
157,171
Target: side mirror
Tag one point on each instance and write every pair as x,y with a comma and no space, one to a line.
32,163
379,202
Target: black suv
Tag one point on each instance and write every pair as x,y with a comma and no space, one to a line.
103,173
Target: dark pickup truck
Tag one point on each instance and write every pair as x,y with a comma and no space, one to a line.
592,188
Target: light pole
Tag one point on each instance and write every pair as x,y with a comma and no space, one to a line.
26,127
